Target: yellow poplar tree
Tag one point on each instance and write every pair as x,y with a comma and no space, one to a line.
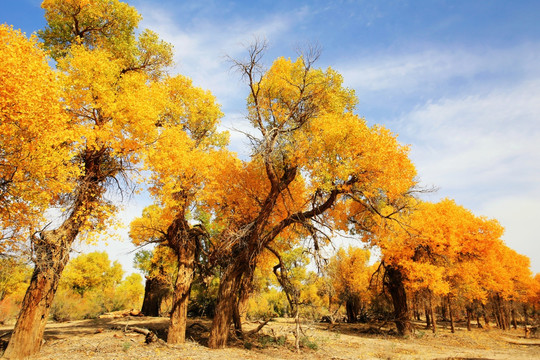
312,159
115,95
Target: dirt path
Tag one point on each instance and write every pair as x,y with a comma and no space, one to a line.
112,339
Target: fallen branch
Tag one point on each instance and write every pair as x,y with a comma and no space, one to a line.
254,331
150,336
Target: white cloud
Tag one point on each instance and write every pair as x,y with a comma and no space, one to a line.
481,141
201,50
425,70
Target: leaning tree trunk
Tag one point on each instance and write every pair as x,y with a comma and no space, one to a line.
51,250
394,284
52,254
227,301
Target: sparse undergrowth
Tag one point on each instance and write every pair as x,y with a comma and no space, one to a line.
108,339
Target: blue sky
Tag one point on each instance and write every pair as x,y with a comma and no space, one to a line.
457,80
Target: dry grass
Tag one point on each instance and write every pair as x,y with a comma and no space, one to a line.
108,339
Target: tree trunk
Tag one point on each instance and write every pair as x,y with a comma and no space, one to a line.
428,318
237,321
469,313
432,312
452,328
502,314
155,290
526,315
52,254
513,314
484,313
182,287
227,297
297,328
184,241
394,284
443,309
352,306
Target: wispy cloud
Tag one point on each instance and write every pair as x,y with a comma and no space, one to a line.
437,68
201,50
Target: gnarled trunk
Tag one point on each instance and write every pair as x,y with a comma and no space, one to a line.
52,254
155,289
177,326
184,241
227,301
394,284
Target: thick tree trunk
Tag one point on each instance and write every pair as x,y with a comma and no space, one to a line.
227,298
452,328
52,254
177,326
155,289
394,284
237,321
184,241
352,306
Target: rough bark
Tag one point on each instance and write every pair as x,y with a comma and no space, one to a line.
52,253
184,241
394,284
228,290
155,289
177,326
352,305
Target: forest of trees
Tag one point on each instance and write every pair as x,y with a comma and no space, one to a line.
89,110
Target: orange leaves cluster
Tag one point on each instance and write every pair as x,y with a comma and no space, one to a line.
445,248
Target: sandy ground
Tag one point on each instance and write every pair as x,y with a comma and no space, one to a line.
113,339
